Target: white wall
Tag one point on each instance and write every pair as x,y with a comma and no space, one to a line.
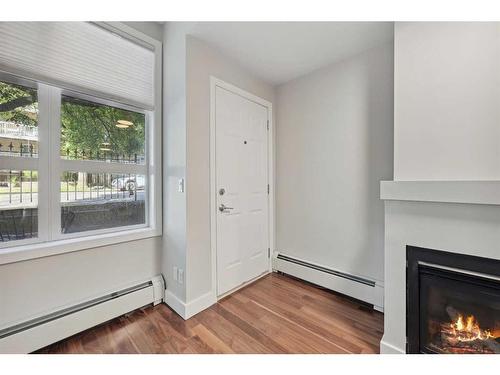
334,145
33,287
447,95
153,29
202,62
189,63
174,154
446,127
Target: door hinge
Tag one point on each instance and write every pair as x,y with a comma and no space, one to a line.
267,189
269,252
267,124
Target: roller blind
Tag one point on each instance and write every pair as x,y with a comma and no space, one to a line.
79,55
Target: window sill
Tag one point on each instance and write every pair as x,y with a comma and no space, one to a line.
43,249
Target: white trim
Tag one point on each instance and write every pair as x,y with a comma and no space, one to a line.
98,232
19,163
54,169
386,348
175,303
199,304
94,166
472,192
379,296
49,248
155,156
131,33
188,310
215,82
271,182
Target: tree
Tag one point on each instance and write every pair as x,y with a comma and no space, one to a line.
91,128
18,104
87,128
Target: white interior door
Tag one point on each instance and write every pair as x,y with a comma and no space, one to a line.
242,187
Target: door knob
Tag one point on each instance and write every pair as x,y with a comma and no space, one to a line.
223,208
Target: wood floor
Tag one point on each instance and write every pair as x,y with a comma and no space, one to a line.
276,314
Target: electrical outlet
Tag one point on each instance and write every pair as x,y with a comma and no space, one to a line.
180,277
175,273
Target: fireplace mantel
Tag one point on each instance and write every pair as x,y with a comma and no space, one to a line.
461,217
471,192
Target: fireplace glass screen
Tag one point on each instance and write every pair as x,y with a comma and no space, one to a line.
459,312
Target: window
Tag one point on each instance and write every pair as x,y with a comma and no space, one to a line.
18,205
18,175
96,201
100,171
91,131
80,136
102,134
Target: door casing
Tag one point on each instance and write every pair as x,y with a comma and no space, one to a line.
214,83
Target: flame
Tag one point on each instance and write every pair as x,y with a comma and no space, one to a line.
469,329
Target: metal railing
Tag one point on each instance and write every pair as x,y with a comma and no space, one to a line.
82,186
10,150
18,187
79,193
102,155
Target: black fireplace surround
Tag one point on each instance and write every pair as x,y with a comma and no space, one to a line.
453,303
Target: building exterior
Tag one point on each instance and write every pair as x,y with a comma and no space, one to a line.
18,139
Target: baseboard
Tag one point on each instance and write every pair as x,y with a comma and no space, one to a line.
372,294
386,348
199,304
379,296
175,303
33,335
190,309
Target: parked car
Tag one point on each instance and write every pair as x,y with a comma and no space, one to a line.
129,183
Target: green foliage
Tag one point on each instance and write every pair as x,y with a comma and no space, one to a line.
85,126
26,112
91,127
27,175
69,177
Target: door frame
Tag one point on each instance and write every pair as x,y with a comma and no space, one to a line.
214,83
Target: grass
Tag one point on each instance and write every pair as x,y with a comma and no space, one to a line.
27,188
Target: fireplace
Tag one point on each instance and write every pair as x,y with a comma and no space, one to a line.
453,303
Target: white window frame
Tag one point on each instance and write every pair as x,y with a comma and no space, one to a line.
35,164
50,165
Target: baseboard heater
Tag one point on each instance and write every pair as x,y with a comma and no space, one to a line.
39,332
361,288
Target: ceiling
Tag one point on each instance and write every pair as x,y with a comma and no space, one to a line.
278,52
